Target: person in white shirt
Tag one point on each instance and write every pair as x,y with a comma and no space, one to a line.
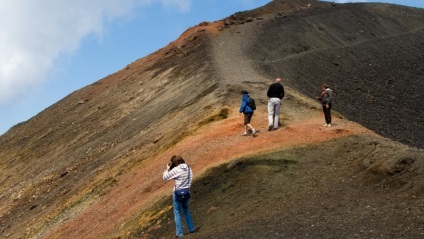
178,170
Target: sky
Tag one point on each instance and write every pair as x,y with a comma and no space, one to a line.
51,48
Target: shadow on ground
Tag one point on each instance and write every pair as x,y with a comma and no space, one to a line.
355,187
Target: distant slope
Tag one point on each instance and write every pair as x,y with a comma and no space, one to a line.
89,166
372,55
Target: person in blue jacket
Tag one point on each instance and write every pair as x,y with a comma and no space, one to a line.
248,113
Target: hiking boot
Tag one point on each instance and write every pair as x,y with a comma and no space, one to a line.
254,132
270,128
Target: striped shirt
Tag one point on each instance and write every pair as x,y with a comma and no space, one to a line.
182,175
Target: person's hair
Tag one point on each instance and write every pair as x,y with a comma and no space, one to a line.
177,160
325,85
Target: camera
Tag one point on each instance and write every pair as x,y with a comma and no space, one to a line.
171,165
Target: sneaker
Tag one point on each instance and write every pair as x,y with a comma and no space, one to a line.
328,125
254,132
270,127
244,134
325,125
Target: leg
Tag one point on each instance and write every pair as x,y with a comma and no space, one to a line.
246,124
271,112
187,215
277,113
247,119
177,216
329,114
245,131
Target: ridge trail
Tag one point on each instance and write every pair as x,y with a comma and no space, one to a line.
213,144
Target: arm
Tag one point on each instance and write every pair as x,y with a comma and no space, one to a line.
243,105
171,174
181,176
269,92
282,92
330,96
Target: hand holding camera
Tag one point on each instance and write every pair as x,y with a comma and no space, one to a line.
170,166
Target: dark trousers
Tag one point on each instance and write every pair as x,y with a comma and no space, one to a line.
247,118
327,113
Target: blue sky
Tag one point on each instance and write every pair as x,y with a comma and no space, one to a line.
50,48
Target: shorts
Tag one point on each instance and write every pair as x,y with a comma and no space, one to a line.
247,118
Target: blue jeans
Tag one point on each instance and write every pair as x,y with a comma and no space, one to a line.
178,205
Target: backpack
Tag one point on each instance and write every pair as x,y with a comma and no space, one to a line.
252,104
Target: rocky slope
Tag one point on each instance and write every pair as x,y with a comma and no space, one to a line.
90,165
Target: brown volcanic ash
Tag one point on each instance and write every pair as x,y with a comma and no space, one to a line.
89,166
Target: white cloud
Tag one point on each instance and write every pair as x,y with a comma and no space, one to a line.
34,34
182,5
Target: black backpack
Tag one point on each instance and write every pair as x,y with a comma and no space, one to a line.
252,104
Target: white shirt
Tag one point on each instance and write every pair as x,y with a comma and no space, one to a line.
182,175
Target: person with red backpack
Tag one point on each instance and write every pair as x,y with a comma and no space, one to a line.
325,99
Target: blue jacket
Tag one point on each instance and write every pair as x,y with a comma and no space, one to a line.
244,108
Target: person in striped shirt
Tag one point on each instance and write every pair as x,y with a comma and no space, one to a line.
178,170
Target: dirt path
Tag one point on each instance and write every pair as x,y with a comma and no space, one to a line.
228,50
218,143
116,214
212,145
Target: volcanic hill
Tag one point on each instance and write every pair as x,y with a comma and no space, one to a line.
90,165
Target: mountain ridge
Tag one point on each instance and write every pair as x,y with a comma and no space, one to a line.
67,172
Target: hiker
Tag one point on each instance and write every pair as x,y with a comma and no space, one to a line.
178,170
325,99
275,94
247,110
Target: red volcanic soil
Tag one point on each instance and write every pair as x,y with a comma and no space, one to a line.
215,144
90,166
